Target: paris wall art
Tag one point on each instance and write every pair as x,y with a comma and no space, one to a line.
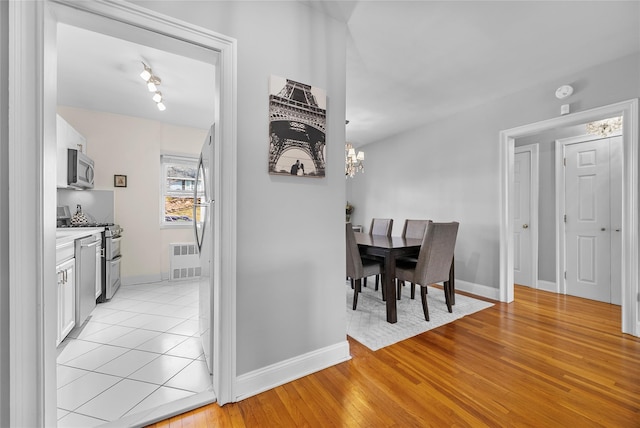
297,128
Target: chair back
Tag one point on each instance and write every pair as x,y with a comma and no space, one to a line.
381,226
414,228
436,253
355,269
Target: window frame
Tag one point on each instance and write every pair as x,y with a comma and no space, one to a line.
167,159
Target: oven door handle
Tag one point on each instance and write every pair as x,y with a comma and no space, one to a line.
117,239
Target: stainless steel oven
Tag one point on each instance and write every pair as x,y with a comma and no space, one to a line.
112,238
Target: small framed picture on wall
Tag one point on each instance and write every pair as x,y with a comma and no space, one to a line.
120,180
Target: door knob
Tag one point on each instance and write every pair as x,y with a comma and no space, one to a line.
603,229
525,226
617,230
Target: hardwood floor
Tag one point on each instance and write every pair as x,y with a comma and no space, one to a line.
545,360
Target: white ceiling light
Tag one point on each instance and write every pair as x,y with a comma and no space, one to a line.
161,106
157,97
146,73
152,84
605,127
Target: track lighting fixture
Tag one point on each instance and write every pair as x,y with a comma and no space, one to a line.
152,85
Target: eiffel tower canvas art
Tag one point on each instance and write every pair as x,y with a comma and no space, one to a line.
297,128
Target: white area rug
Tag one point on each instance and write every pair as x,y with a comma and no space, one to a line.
368,323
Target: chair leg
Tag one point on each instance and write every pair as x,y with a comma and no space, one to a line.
356,290
351,280
364,283
377,282
425,308
447,295
452,282
399,285
413,290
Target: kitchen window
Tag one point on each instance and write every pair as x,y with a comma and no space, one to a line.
177,185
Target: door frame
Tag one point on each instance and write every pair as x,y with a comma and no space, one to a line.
561,248
534,200
629,278
32,198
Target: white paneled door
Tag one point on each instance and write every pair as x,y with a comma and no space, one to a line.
522,268
588,220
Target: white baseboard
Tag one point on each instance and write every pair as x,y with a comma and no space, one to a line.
269,377
547,286
140,279
478,289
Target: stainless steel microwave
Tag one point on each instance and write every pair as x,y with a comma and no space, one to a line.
79,170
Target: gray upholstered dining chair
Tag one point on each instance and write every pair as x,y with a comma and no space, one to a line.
412,229
434,262
357,266
380,226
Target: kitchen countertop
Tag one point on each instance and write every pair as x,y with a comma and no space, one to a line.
65,235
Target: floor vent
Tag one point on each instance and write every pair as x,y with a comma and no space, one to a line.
184,261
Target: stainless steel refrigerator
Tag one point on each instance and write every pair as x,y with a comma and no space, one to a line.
204,220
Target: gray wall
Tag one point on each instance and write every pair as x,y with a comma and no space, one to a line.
4,215
290,276
449,170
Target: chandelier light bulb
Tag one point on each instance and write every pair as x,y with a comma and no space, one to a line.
157,97
151,86
161,106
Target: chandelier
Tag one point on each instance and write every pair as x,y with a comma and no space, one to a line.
604,127
353,161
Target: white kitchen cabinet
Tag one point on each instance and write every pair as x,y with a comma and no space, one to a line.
66,274
66,138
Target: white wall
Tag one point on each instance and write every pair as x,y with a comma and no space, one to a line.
449,170
290,248
132,146
4,215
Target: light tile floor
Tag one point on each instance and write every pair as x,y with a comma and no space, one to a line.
138,351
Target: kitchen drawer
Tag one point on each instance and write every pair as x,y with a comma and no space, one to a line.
65,252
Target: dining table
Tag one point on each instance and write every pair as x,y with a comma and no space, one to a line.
390,248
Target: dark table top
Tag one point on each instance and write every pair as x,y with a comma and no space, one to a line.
382,241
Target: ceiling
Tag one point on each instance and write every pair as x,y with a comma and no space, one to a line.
408,62
102,72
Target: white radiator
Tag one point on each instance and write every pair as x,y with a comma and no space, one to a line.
184,261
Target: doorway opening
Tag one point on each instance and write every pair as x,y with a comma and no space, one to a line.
629,274
32,352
